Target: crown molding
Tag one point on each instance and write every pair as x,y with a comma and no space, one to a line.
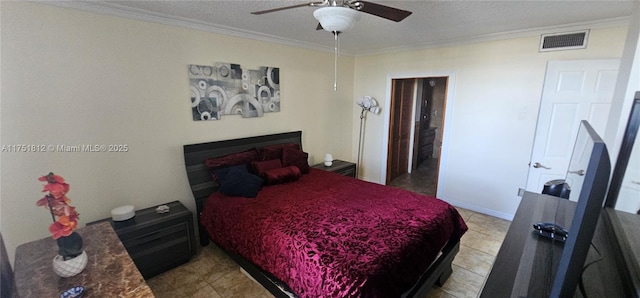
607,23
143,15
160,18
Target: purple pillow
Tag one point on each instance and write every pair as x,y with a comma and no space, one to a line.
282,175
295,157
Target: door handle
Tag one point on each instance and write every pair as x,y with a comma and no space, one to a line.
579,172
539,165
636,182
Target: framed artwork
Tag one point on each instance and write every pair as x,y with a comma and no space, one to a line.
228,89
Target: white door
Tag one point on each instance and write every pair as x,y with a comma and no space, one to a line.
573,91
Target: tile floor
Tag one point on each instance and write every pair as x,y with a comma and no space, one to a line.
212,274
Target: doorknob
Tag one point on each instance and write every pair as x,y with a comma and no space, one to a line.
539,165
636,182
579,172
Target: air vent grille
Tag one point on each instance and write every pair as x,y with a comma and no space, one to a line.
564,41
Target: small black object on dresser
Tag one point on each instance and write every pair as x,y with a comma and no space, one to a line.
341,167
157,242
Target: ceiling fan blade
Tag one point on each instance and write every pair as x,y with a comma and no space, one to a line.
383,11
281,8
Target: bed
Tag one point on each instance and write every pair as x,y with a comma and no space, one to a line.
323,234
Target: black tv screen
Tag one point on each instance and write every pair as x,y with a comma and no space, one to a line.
588,177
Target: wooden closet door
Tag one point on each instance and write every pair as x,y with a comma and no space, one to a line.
402,91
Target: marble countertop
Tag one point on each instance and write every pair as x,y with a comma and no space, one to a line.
110,271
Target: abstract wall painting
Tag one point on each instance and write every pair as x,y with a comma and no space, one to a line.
228,89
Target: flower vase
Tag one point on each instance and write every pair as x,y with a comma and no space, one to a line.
70,267
71,258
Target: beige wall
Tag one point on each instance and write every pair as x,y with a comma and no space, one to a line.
71,77
494,108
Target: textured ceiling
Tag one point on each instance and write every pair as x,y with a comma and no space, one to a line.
432,22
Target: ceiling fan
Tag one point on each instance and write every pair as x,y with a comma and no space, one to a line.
346,8
337,16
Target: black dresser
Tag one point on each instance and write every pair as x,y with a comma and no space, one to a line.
526,264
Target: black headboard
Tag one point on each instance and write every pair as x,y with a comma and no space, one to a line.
199,175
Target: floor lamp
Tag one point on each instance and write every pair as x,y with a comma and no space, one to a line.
368,104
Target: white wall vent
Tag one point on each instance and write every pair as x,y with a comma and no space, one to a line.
564,41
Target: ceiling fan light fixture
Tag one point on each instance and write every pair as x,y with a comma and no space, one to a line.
336,19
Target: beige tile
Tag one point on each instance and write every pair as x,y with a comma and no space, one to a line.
213,265
488,225
482,242
159,284
217,271
437,292
236,284
167,293
184,276
474,260
466,214
463,283
205,292
265,294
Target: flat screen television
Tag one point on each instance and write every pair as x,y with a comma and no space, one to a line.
588,177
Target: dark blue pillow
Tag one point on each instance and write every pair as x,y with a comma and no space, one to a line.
221,174
240,183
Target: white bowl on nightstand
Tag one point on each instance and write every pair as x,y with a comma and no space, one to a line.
122,213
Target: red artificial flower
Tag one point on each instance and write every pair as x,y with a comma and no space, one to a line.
52,178
43,202
57,190
55,185
58,204
63,227
60,208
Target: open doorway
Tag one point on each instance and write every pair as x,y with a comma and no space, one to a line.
416,126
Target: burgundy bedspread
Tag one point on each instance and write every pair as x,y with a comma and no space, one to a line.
327,235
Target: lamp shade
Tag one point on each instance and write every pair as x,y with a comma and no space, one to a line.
336,19
368,103
328,160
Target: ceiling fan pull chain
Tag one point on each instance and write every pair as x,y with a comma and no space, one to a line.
335,61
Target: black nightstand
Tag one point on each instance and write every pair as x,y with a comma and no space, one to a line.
339,166
157,242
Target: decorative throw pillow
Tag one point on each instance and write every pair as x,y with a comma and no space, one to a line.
270,152
295,157
282,175
233,159
241,184
260,167
229,160
220,175
274,151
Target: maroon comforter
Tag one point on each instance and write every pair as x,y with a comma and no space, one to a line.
327,235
